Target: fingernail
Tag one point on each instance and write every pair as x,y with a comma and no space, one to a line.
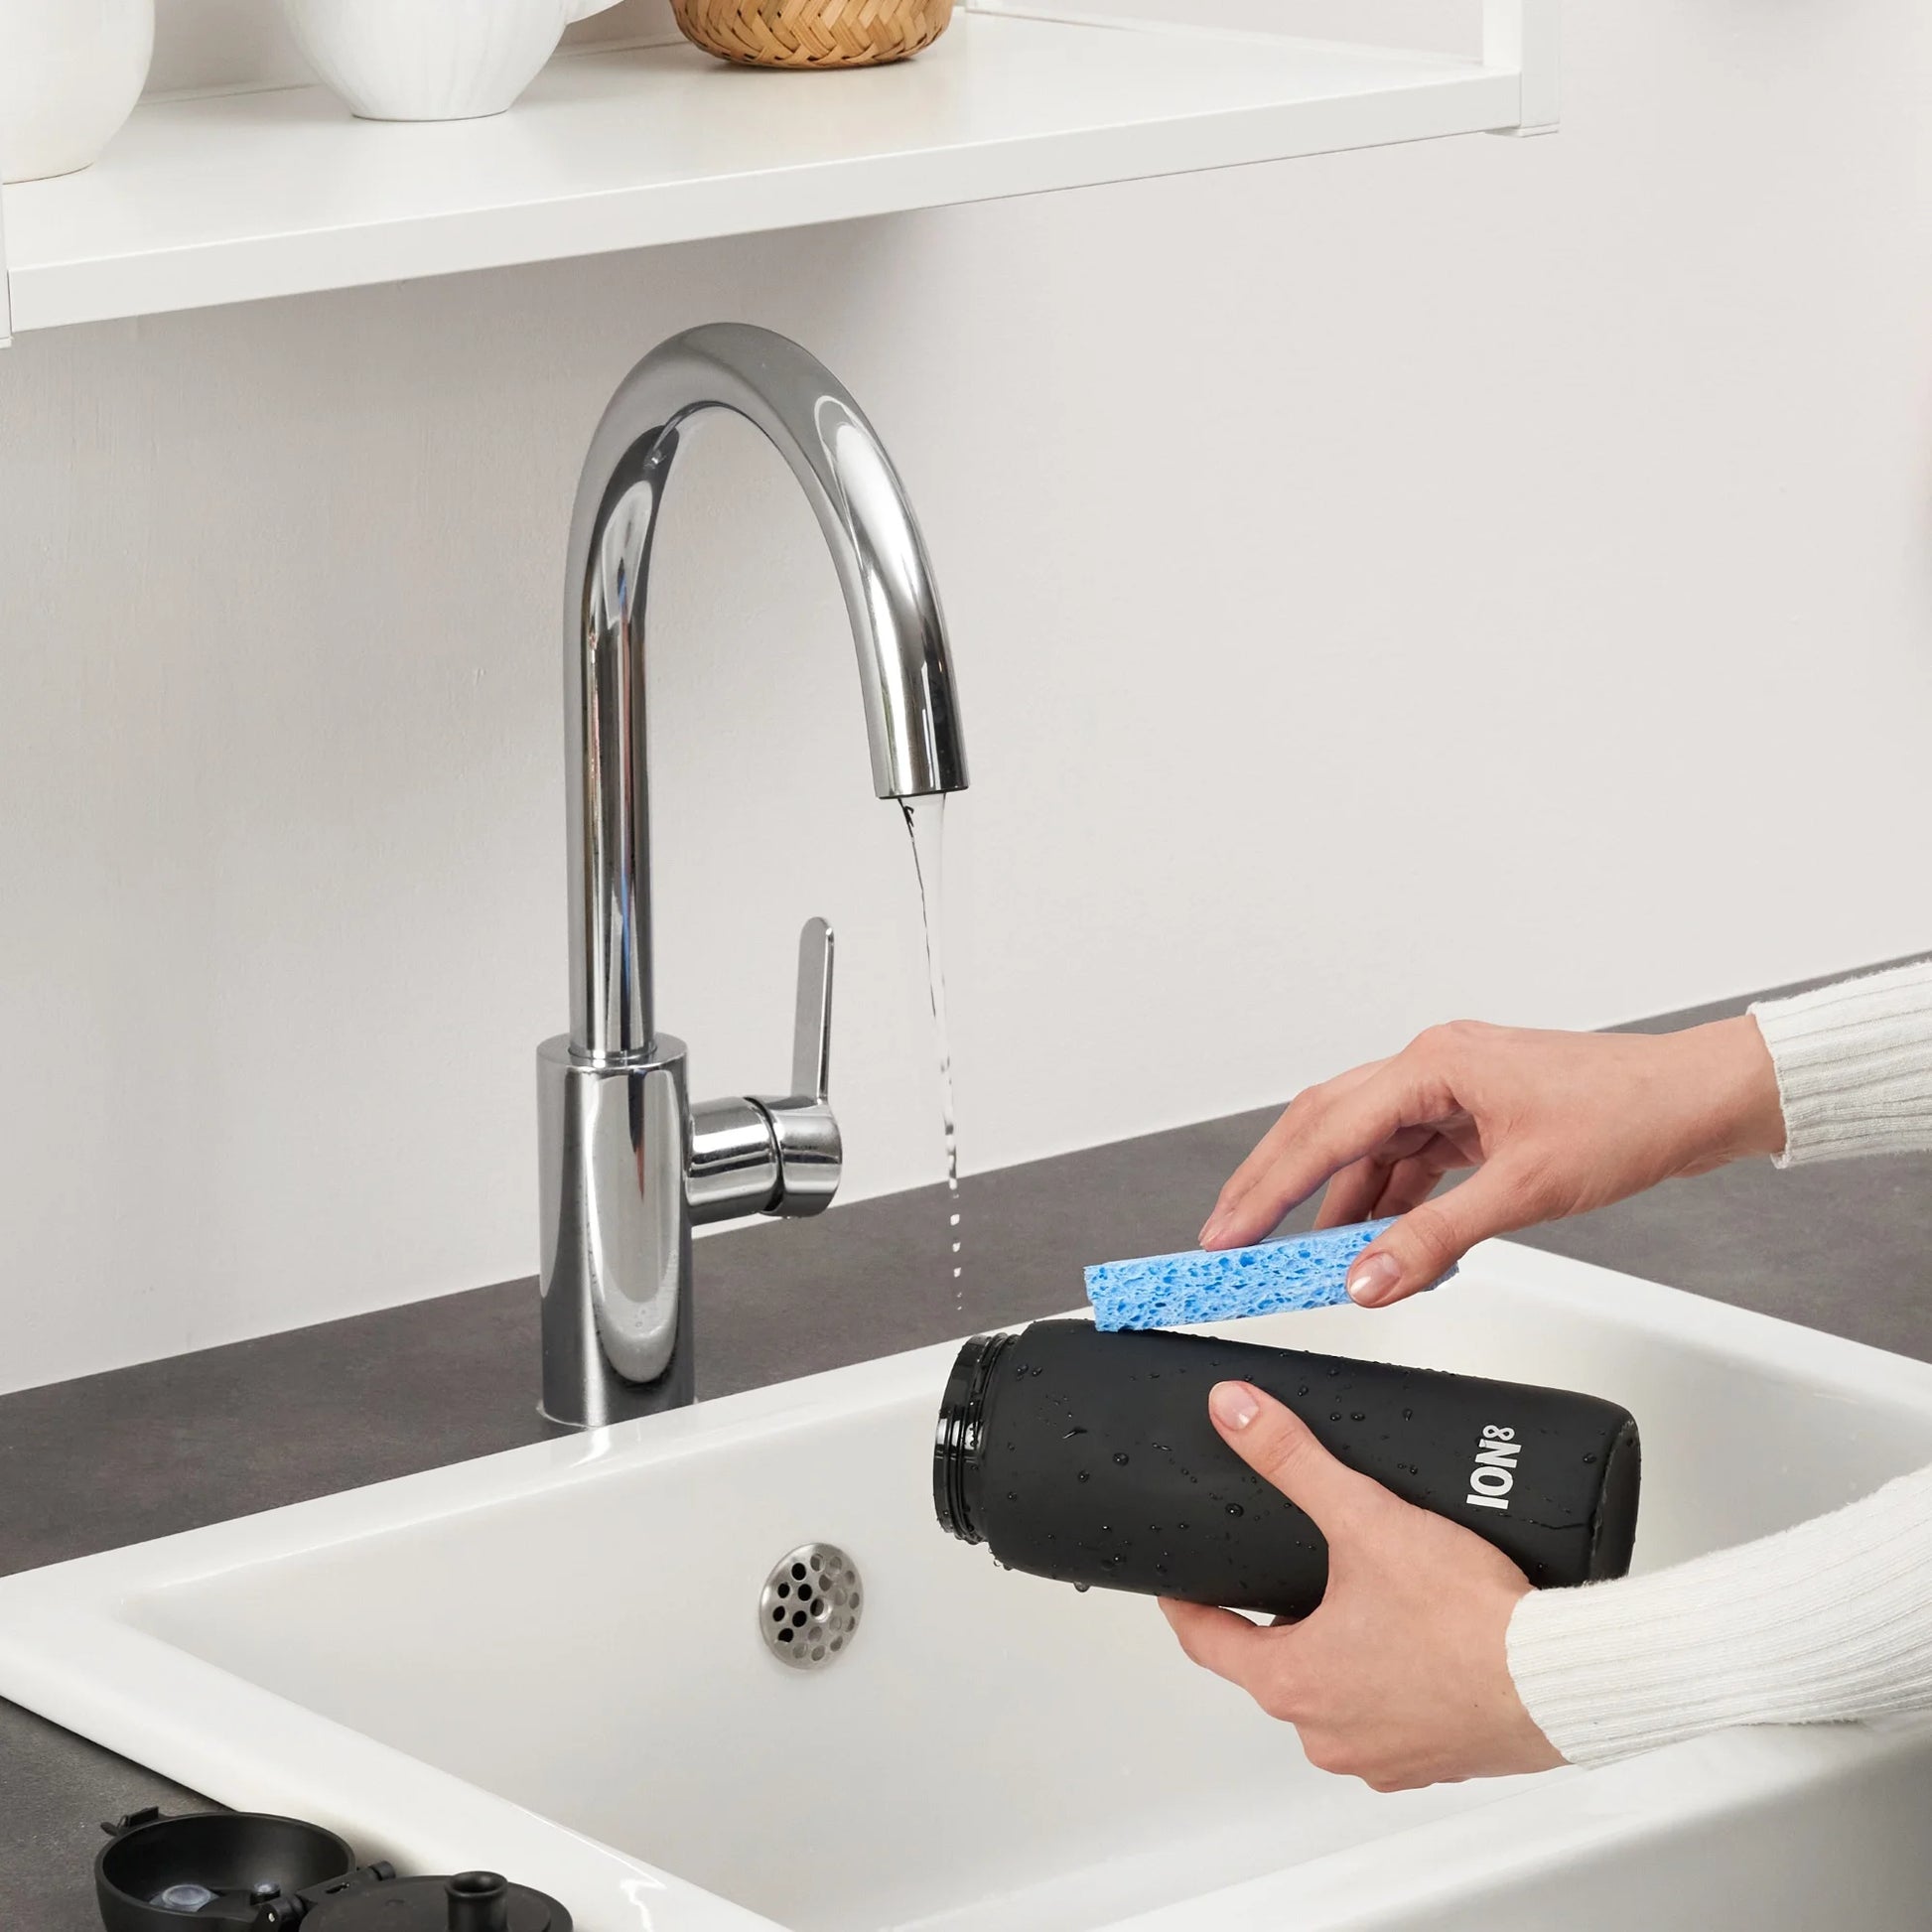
1233,1404
1210,1229
1374,1279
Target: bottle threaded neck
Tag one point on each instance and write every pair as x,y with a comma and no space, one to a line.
959,1437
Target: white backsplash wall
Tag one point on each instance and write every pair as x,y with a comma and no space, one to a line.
1486,577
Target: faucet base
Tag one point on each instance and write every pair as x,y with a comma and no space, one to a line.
612,1147
609,1398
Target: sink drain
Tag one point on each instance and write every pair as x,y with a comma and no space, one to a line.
810,1606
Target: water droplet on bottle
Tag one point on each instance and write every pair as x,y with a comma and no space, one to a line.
1303,1390
1120,1457
1081,1478
1357,1416
1334,1415
1083,1587
1590,1458
1012,1495
1235,1509
1408,1415
1071,1432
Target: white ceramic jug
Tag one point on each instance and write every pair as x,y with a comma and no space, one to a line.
70,72
430,60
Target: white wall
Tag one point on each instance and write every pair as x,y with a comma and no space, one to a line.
1487,577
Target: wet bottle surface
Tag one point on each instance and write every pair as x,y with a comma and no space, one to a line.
1090,1458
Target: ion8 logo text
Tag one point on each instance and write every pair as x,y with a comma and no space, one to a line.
1494,1475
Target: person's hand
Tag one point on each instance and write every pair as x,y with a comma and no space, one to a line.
1553,1123
1400,1677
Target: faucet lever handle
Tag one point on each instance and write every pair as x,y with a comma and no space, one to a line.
812,1040
776,1153
811,1157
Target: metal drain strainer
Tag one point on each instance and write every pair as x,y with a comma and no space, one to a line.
810,1606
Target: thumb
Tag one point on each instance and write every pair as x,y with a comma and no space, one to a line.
1428,1241
1280,1448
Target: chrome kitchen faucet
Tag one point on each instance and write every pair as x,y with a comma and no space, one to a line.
628,1165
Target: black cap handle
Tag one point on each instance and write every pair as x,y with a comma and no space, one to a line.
480,1901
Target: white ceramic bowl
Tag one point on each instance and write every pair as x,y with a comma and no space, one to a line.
70,72
430,60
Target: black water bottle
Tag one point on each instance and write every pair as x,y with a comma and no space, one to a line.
1090,1458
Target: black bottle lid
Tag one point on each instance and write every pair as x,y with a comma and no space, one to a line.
472,1901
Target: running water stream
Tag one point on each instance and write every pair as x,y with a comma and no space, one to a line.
926,822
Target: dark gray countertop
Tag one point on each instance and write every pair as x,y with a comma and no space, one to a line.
141,1452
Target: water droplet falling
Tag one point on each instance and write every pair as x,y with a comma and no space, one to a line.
925,826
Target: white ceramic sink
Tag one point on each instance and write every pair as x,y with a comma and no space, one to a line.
548,1661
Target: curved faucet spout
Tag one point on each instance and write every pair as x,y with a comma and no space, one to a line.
904,666
628,1164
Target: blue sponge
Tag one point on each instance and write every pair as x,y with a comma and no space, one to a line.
1304,1271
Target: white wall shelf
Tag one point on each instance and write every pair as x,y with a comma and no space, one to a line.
229,197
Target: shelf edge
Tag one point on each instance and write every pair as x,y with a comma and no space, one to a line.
1468,99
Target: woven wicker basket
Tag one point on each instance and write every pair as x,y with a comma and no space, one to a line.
813,33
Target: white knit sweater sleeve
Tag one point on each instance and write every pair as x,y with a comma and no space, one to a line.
1826,1621
1831,1619
1855,1064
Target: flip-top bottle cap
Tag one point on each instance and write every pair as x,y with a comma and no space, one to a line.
210,1869
274,1874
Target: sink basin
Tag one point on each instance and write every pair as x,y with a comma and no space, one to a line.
551,1662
